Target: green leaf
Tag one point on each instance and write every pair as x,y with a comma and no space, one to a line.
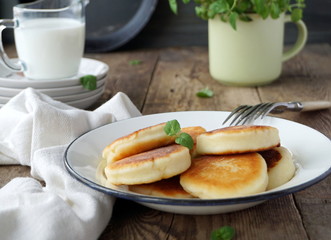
223,233
233,20
231,10
274,10
173,6
283,4
135,62
265,13
217,7
185,140
89,82
244,6
172,128
205,93
296,14
201,12
245,18
258,5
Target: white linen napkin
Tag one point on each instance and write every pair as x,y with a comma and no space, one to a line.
35,131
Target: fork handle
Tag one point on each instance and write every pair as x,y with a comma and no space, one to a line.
316,105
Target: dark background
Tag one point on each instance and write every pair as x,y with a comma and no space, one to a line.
167,29
185,29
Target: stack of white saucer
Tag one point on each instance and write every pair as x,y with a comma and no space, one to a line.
69,90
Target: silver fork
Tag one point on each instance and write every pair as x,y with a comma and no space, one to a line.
249,113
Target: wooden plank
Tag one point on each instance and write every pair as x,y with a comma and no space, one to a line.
279,217
180,73
314,205
8,172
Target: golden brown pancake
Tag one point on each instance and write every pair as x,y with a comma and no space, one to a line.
102,179
165,188
225,176
237,139
150,166
194,132
137,142
280,165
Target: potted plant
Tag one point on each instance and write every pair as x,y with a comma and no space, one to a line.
245,37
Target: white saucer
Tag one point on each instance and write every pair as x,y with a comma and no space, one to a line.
87,102
52,92
80,96
87,67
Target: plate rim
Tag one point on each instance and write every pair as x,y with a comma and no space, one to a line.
190,201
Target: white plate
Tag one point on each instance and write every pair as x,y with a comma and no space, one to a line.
87,67
52,92
310,148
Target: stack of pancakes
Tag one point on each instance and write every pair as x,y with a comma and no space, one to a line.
224,163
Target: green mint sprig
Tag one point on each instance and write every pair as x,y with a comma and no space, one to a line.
233,10
205,93
135,62
172,128
223,233
89,82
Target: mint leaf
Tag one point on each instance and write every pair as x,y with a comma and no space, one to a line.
173,6
275,10
223,233
220,6
232,10
233,20
89,82
205,93
172,128
296,15
135,62
185,140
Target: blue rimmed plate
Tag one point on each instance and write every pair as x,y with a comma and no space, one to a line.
310,148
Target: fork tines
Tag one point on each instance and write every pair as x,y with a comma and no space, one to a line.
248,113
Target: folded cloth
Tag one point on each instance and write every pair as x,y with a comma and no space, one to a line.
35,131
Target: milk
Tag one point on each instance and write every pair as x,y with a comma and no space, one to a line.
50,48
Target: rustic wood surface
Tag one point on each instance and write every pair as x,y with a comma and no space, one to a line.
167,80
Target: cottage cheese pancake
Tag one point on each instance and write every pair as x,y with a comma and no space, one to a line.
137,142
226,176
280,165
150,166
194,132
237,139
165,188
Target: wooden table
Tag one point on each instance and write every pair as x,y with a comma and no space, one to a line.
166,81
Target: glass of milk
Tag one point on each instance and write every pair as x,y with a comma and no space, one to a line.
49,38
